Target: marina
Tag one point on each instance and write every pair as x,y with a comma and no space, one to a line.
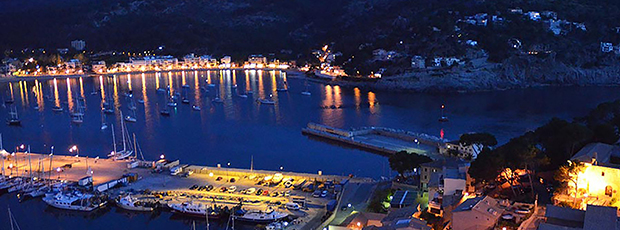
246,195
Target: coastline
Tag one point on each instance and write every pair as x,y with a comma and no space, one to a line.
448,81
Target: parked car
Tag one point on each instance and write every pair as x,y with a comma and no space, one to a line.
292,206
223,189
219,178
316,194
232,189
275,194
259,192
209,187
251,191
265,193
324,193
232,180
194,187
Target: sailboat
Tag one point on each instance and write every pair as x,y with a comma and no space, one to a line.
267,101
13,117
443,118
77,116
217,98
184,98
171,101
125,153
104,125
306,91
10,98
131,117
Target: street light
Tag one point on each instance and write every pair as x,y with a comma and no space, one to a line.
75,149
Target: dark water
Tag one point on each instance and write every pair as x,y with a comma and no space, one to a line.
241,128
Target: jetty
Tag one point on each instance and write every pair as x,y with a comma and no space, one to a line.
381,140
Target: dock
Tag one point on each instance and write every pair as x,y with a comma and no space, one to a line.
382,140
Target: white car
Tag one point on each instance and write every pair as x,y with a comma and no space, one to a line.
232,188
292,206
250,191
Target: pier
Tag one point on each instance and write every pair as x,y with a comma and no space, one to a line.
379,139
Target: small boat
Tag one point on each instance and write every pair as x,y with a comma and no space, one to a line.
133,204
141,101
161,90
9,101
196,108
93,93
217,100
306,93
195,209
129,118
108,111
75,201
185,101
164,112
172,104
57,108
185,86
267,101
256,216
234,86
443,118
281,89
242,95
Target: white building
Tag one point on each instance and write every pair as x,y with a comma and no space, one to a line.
464,151
533,15
418,62
606,47
78,45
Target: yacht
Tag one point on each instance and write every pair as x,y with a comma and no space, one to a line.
267,101
196,107
306,93
57,108
131,203
75,201
256,216
193,209
185,100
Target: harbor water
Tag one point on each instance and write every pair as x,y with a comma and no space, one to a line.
240,129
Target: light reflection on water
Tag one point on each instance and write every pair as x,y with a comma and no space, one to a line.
241,127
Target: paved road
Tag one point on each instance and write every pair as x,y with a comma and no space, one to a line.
356,194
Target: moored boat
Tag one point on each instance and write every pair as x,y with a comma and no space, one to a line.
133,204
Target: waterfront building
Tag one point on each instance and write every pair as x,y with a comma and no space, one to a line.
99,67
78,45
479,213
463,151
594,217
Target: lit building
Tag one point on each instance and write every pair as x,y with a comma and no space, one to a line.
78,45
99,67
600,180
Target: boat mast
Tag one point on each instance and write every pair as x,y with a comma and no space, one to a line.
134,146
11,219
123,132
113,139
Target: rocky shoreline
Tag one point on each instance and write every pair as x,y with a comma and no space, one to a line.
491,78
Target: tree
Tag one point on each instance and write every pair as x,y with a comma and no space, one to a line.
486,166
403,161
568,175
605,133
485,139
